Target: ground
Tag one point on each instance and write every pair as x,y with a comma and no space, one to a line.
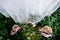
27,32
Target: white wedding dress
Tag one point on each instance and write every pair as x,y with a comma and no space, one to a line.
28,11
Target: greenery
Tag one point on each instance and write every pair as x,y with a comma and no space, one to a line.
27,32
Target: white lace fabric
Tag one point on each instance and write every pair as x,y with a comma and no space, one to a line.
28,11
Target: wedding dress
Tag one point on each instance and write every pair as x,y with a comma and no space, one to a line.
28,11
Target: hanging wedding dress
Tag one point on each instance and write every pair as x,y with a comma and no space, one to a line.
28,11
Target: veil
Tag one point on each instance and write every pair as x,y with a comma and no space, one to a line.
28,11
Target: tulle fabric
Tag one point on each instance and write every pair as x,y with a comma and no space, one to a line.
28,11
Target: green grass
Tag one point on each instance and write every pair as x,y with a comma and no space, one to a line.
28,32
